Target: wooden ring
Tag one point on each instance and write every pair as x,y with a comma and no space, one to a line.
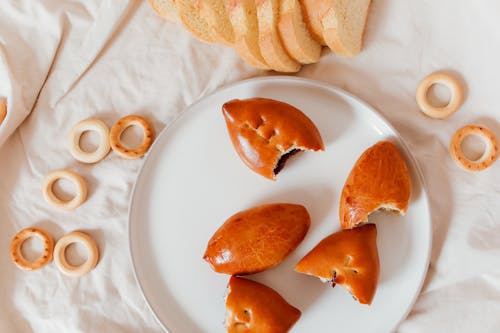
3,111
490,153
51,198
124,123
17,255
434,111
77,132
60,254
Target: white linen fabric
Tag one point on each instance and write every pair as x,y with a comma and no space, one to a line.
64,61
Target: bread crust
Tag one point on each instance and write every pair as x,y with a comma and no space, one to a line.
348,258
296,37
165,9
191,20
314,11
270,41
258,308
263,130
257,239
379,179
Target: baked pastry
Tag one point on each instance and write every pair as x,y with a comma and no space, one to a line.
165,9
349,258
214,13
379,179
257,239
295,36
344,26
270,42
189,14
265,133
254,307
243,17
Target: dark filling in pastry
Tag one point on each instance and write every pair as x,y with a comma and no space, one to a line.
283,159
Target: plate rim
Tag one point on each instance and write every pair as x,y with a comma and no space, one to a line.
309,82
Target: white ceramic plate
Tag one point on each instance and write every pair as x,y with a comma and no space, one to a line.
193,180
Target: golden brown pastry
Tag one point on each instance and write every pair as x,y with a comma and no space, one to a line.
265,133
348,258
379,179
256,239
254,307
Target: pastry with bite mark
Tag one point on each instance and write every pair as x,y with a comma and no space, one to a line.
254,307
257,239
348,258
379,180
266,132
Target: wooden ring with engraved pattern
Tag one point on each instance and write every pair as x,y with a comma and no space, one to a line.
434,111
42,260
124,123
490,153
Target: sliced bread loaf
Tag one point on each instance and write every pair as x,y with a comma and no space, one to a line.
295,35
313,12
215,14
344,26
243,17
165,9
189,14
270,43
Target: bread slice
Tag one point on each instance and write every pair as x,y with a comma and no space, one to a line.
344,26
295,35
165,9
215,14
313,12
189,14
378,180
270,43
243,17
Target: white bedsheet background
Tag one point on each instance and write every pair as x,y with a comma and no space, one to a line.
64,61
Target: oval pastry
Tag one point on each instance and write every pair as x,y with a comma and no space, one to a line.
254,307
257,239
265,133
379,179
349,258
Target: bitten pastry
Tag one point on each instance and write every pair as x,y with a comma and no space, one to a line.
257,239
265,133
349,258
254,307
379,179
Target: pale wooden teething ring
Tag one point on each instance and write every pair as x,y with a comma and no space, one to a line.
77,132
60,255
17,242
490,153
50,197
3,111
434,111
120,126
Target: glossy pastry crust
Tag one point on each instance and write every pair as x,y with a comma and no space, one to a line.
348,258
257,239
379,179
264,130
254,307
